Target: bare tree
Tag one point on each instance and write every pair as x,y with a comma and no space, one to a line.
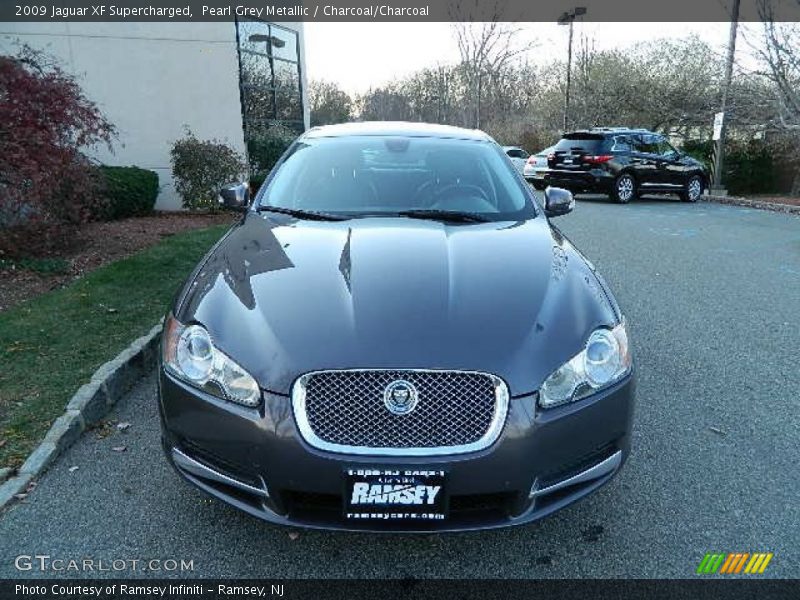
488,49
779,53
388,103
329,103
430,92
668,85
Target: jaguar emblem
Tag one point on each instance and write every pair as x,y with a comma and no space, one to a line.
400,397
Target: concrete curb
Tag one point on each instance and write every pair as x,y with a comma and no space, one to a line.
749,203
90,403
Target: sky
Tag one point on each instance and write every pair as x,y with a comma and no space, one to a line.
358,56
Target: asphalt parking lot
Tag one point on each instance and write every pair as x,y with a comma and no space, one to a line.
712,294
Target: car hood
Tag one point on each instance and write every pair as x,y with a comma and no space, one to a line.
284,297
690,160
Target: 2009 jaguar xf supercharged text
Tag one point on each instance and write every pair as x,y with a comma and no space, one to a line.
394,337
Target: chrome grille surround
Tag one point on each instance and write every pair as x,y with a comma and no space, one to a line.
486,412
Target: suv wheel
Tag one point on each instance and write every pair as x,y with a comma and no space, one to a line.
624,189
693,189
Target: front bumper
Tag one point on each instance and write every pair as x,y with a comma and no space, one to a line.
257,460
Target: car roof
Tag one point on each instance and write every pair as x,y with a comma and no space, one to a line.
396,128
610,131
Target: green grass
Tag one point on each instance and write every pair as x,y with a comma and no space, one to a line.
39,265
51,345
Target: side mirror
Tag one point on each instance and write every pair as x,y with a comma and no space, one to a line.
235,196
558,201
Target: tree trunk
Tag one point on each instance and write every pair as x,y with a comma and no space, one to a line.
796,184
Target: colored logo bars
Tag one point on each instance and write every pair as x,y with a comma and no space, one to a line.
734,563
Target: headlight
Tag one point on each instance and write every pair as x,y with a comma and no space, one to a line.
604,360
189,354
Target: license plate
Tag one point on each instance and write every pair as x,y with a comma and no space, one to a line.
394,495
567,161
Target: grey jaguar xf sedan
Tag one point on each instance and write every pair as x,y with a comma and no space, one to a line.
395,337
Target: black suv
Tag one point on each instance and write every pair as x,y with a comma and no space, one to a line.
622,163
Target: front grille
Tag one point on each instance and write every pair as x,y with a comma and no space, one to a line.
347,411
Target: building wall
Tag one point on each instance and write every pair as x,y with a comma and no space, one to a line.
151,80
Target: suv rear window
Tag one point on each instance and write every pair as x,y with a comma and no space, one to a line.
583,142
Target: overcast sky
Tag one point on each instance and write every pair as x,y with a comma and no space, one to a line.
360,55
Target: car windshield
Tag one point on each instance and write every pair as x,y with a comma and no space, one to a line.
392,175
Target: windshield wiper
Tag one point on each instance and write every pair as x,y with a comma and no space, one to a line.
302,214
452,216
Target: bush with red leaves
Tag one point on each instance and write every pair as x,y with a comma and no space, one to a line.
47,185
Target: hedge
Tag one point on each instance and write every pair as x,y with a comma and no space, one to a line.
749,167
256,181
131,191
265,149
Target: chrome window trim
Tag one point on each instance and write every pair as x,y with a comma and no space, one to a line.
490,437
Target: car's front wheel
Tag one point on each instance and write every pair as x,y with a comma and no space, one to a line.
624,189
693,189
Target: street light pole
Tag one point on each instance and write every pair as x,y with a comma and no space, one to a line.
568,18
719,149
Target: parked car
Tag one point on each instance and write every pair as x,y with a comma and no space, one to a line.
517,155
536,167
395,337
624,163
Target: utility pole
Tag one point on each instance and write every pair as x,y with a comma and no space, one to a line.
569,77
443,97
568,18
719,149
478,108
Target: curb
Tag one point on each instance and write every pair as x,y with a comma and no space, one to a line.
90,403
790,209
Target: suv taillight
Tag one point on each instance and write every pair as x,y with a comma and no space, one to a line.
532,159
597,159
551,156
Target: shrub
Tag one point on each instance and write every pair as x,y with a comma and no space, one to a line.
265,149
45,180
700,150
201,168
536,140
256,181
749,166
527,135
130,191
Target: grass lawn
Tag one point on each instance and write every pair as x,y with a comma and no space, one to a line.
37,265
50,345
